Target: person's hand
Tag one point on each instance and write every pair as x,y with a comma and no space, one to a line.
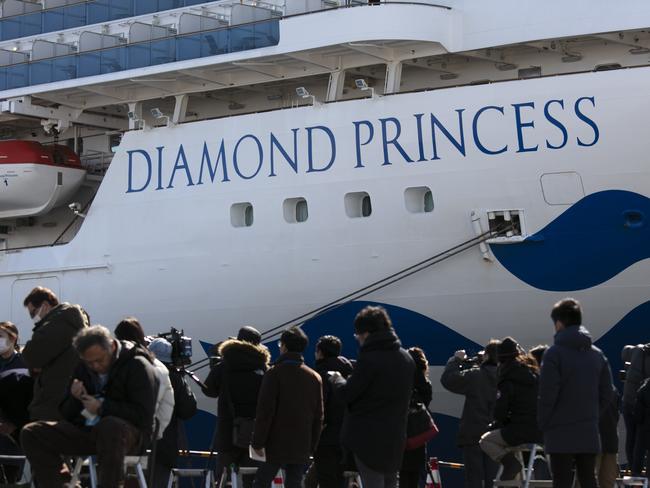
7,428
460,355
92,404
78,390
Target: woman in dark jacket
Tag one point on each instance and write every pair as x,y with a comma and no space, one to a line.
515,412
17,387
415,460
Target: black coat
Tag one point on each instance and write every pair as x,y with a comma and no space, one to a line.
575,388
16,389
642,411
378,394
236,381
479,386
130,392
414,459
515,411
333,401
608,425
184,409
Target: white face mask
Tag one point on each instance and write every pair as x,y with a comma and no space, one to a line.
5,345
37,316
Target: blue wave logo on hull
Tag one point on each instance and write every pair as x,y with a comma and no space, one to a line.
590,243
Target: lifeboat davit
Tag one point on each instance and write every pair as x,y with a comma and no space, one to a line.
35,178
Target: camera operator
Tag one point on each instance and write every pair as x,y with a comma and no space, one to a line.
184,409
476,379
235,379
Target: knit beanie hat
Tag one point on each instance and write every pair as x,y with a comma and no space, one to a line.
507,349
162,349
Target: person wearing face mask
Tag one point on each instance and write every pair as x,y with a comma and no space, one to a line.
49,354
16,387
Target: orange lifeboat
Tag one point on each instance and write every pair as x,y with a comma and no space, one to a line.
35,178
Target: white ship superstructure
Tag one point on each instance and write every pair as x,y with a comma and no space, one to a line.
248,162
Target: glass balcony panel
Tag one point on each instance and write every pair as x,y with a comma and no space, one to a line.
242,38
215,42
168,4
98,12
17,76
31,24
40,72
3,78
187,3
162,51
113,59
121,9
188,47
88,64
145,6
139,55
11,28
75,15
64,68
54,20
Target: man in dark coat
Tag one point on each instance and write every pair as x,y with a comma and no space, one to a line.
184,409
477,381
236,380
575,388
378,394
289,414
333,370
49,354
108,410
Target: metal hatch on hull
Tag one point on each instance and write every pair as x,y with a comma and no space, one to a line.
35,178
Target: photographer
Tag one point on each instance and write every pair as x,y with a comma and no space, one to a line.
235,380
184,409
476,379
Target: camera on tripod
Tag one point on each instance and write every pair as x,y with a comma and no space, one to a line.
181,347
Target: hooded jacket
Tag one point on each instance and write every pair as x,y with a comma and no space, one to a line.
236,382
575,388
479,386
516,407
130,392
50,352
378,394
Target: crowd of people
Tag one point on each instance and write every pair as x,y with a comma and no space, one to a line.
76,389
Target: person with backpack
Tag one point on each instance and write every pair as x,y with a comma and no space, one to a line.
642,421
637,371
333,369
415,460
235,379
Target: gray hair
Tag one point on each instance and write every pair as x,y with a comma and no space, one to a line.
97,335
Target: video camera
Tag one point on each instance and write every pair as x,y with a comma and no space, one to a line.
181,347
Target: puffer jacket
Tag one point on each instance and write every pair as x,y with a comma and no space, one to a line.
575,389
515,411
16,388
164,399
236,381
51,355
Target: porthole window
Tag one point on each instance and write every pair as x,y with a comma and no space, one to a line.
241,214
358,204
418,199
295,210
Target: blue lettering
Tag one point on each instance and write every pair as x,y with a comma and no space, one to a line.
393,141
458,145
276,144
181,156
477,141
587,121
213,170
235,160
310,154
160,165
556,123
418,122
371,134
521,125
148,160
